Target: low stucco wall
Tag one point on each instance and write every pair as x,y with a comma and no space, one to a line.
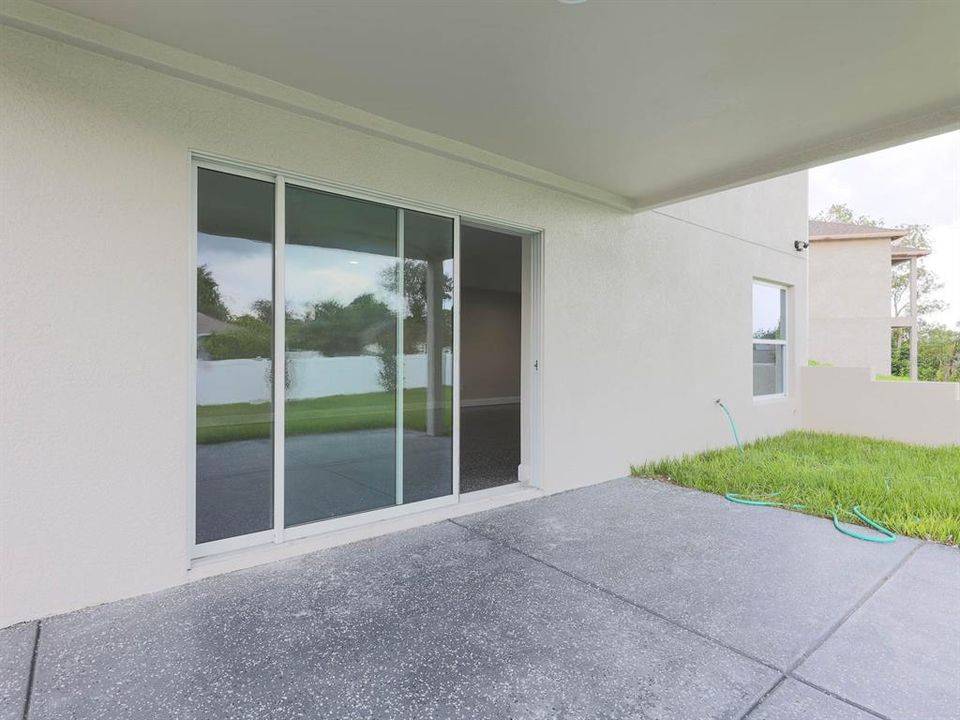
848,400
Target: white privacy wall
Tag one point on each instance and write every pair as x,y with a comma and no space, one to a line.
646,322
848,400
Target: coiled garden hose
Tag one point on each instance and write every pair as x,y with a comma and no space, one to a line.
886,536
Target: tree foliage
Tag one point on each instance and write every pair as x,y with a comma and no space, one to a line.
332,328
415,303
938,353
248,337
209,301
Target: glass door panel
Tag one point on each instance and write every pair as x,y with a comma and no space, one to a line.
427,356
342,299
368,293
234,410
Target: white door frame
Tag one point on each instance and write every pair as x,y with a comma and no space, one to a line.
279,533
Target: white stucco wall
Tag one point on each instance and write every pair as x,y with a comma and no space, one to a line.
849,401
646,321
850,303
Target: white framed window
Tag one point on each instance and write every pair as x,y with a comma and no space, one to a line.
770,343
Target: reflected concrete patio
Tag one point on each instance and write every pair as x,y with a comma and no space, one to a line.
629,599
327,475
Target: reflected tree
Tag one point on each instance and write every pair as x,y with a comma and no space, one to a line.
209,301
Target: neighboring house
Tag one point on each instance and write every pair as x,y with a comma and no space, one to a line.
207,325
850,294
128,162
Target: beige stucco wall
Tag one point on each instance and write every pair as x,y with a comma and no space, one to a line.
849,401
646,319
489,344
850,303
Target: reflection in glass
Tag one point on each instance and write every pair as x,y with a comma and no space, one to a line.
427,356
235,220
767,369
341,369
769,312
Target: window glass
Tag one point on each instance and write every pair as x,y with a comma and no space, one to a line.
769,312
427,356
769,339
368,338
767,369
235,221
341,356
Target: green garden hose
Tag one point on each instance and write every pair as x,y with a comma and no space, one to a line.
764,501
733,426
888,536
734,497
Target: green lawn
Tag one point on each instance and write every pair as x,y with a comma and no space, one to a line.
910,489
337,413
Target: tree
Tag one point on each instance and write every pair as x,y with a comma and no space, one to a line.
263,311
939,353
928,284
332,328
209,301
415,302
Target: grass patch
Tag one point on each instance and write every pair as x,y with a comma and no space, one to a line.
891,378
912,490
336,413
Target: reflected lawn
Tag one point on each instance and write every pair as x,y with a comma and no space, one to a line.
336,413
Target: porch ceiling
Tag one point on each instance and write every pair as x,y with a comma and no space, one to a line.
635,103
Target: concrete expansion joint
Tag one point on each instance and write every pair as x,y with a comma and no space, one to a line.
33,670
784,674
621,598
790,671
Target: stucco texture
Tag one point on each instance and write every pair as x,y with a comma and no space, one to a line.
646,320
849,303
850,401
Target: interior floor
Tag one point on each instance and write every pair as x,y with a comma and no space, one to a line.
489,446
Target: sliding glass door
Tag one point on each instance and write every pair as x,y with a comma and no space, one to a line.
341,354
366,340
235,248
427,356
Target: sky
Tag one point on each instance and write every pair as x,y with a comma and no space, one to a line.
914,183
243,270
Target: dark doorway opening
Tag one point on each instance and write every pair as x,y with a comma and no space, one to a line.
491,281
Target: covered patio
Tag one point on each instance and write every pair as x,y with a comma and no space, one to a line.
628,599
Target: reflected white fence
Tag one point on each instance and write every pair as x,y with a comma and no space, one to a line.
310,376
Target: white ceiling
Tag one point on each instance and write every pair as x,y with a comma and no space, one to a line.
648,101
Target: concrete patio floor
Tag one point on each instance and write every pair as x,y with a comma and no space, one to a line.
629,599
